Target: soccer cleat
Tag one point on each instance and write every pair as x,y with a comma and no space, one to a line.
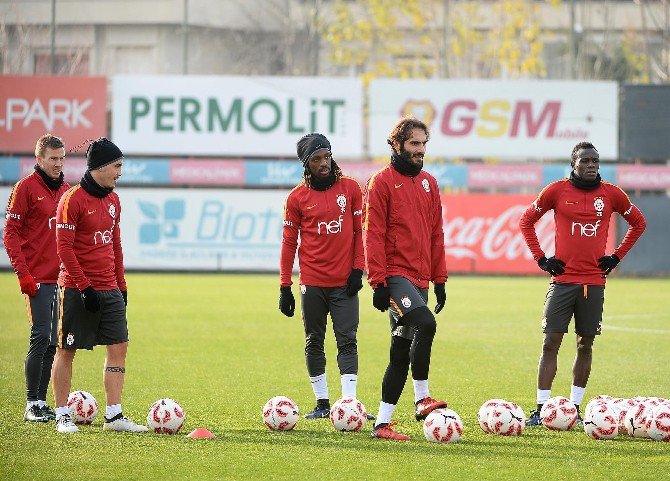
318,413
534,419
34,415
426,405
385,431
64,424
580,421
121,423
370,417
48,412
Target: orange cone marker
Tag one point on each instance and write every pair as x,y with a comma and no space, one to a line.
200,433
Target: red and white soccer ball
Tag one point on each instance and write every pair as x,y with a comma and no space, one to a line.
658,423
280,413
599,399
636,420
348,414
506,419
483,413
602,421
165,416
443,426
82,406
558,414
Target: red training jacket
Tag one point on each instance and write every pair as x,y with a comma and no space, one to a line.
329,224
30,230
89,241
582,220
402,228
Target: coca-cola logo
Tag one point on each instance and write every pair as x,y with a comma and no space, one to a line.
492,238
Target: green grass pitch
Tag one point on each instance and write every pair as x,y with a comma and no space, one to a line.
219,346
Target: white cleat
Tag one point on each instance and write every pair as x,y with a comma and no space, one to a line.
123,424
64,424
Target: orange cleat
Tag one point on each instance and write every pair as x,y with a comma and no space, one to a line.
426,405
385,431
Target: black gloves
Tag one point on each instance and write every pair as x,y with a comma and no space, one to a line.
607,263
125,297
440,297
90,299
552,265
355,282
286,301
381,298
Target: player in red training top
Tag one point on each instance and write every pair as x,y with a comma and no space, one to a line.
30,240
325,211
582,206
404,251
92,286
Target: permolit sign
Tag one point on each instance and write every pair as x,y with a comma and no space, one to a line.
224,116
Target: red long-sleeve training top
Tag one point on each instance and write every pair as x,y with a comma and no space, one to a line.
30,230
582,220
89,241
329,225
402,228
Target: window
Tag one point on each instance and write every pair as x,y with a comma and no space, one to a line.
75,62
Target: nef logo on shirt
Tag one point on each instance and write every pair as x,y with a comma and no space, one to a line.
332,227
585,230
599,205
342,202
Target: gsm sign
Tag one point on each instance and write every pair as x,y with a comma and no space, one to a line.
497,118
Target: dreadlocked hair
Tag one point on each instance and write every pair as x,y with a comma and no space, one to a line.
307,175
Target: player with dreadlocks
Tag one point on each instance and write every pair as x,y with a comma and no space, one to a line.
325,211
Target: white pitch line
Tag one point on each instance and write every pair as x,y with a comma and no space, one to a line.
634,329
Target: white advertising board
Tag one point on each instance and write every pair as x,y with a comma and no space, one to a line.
496,118
228,116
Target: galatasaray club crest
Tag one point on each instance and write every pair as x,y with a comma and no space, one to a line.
406,302
70,339
426,185
342,202
599,205
303,289
112,211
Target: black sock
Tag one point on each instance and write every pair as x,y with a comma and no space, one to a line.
539,407
323,403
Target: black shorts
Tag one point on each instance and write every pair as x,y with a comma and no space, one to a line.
81,329
565,300
405,297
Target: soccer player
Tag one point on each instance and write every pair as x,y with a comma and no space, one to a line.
325,211
30,240
582,206
92,286
404,250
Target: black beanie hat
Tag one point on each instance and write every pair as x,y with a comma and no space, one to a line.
102,152
309,144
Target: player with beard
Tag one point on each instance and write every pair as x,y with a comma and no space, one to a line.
325,211
404,251
30,241
582,206
92,285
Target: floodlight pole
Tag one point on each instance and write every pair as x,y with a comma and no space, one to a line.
185,39
53,37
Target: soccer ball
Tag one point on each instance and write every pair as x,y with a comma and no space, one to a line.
82,406
658,424
348,414
602,422
624,405
636,420
443,426
506,419
558,414
165,416
483,413
599,399
280,414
